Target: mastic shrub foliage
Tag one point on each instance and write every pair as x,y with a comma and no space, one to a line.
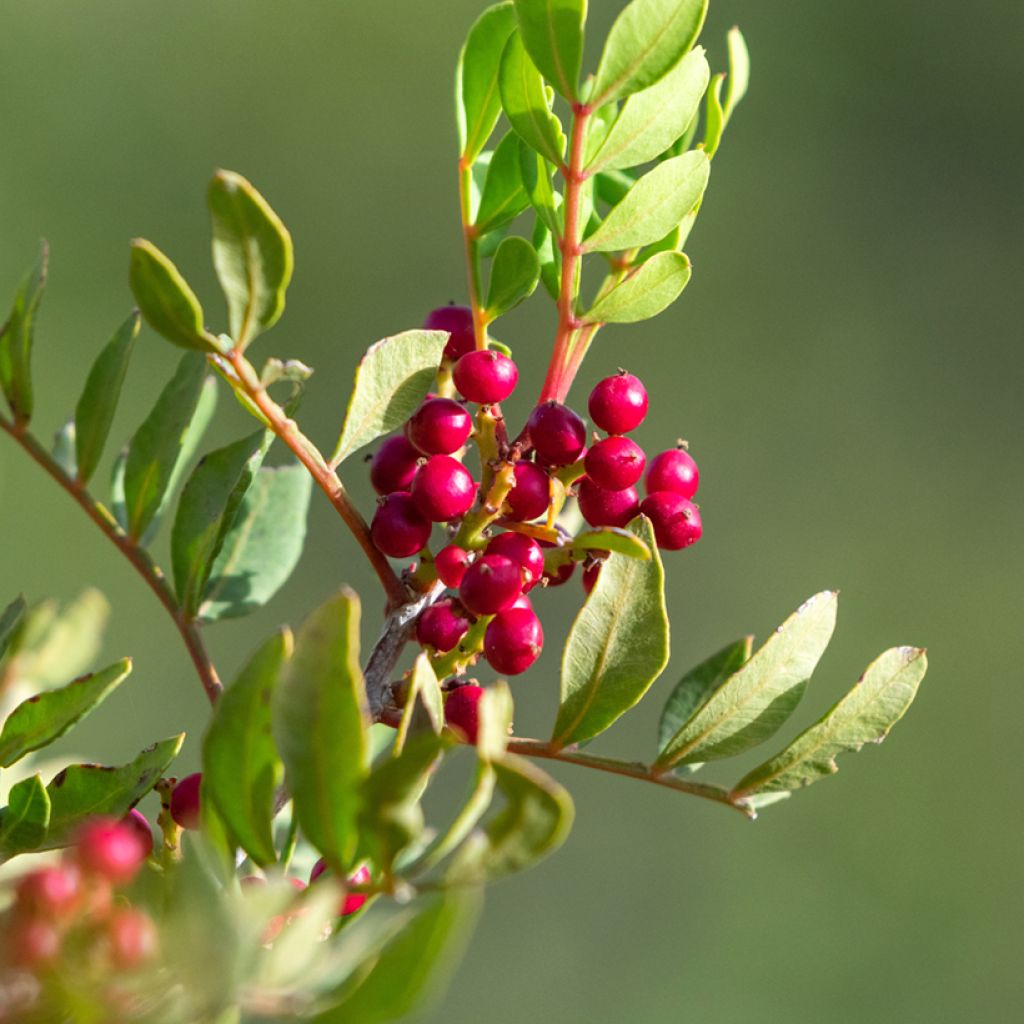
318,753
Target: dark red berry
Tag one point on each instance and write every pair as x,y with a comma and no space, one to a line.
33,942
590,574
439,426
522,549
557,434
398,528
136,820
491,584
675,471
394,465
601,507
443,489
132,937
676,520
513,641
110,850
618,404
52,892
185,801
560,575
451,563
458,321
442,625
615,463
485,377
462,712
354,900
318,869
531,493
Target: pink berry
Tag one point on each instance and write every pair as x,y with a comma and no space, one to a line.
601,507
185,809
394,465
354,900
451,563
398,528
590,574
618,404
522,601
615,463
557,434
513,641
531,493
136,820
522,549
52,892
485,377
442,625
491,584
462,712
443,489
675,519
318,869
110,850
132,937
33,942
560,575
439,426
458,321
675,471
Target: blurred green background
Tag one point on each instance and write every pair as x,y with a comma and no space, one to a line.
846,365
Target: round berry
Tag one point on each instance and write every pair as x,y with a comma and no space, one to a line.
675,471
451,563
557,434
590,574
110,850
522,549
33,942
601,507
458,322
132,937
52,892
491,584
562,574
530,494
354,900
442,625
615,463
485,377
439,426
513,641
185,809
676,520
443,489
394,465
618,404
136,820
462,712
398,528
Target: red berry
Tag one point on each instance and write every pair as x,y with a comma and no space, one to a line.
462,712
513,641
442,625
560,575
132,937
52,892
185,801
522,601
451,563
136,820
590,574
491,584
354,900
557,434
615,463
443,489
485,377
601,507
675,519
522,549
673,470
110,850
458,321
394,465
439,426
318,869
398,528
33,942
618,404
530,494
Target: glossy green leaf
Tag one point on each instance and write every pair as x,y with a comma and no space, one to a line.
252,254
392,379
25,819
165,300
714,117
321,724
739,72
612,538
654,205
477,101
525,103
753,703
552,32
617,646
651,120
503,197
9,620
647,39
63,449
515,272
537,174
17,336
83,791
645,293
44,717
866,714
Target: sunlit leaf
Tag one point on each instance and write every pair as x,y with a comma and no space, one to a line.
17,336
503,197
24,821
515,272
525,104
552,32
645,293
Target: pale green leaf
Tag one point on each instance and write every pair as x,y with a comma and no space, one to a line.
503,197
25,819
714,117
17,336
515,272
739,72
424,706
9,619
525,103
495,721
612,538
552,32
63,449
646,292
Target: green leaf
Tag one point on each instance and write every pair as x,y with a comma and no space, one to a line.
739,72
24,821
63,449
392,379
654,205
651,120
252,254
515,271
552,32
95,411
648,38
83,791
617,646
645,293
44,717
504,197
321,723
16,337
525,103
714,117
866,714
241,769
263,545
167,303
611,187
479,799
424,705
537,176
477,101
9,619
612,538
495,711
753,703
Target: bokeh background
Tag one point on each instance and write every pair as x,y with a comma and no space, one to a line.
846,365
